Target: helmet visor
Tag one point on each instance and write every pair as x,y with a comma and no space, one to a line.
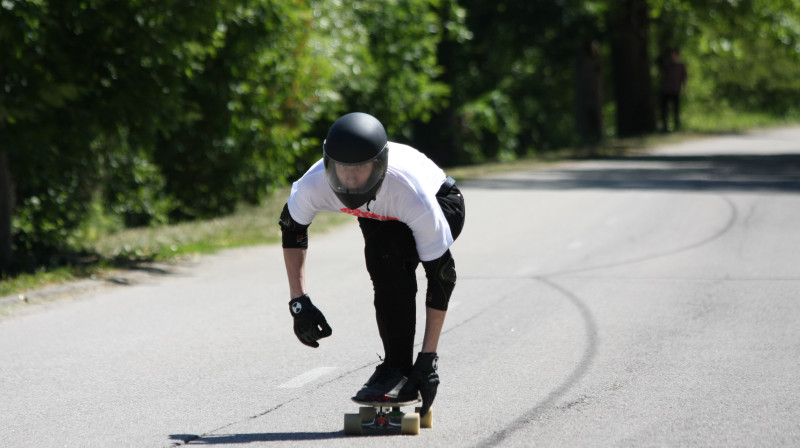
356,178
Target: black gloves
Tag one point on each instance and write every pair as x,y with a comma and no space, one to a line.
424,379
309,323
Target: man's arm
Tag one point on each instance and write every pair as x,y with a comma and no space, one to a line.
434,321
295,260
295,244
424,377
309,323
441,274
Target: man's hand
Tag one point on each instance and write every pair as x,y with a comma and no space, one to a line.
309,323
424,379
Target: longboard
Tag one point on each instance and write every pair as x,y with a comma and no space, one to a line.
386,416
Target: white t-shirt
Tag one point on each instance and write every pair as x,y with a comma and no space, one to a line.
408,195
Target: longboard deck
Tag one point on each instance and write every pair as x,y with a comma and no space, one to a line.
386,415
387,404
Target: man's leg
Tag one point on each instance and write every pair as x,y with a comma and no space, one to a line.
392,259
664,103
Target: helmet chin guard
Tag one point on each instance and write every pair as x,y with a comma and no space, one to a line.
356,156
356,184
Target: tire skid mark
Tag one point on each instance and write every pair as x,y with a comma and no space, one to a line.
580,370
591,329
733,216
588,356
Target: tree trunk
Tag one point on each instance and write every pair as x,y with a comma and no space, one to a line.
589,92
633,91
6,201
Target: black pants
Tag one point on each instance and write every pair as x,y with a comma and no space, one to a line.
670,101
391,256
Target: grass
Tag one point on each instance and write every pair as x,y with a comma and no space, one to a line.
254,225
250,225
727,121
25,282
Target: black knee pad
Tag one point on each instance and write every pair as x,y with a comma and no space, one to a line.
441,274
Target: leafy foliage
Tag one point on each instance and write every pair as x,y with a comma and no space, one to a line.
155,111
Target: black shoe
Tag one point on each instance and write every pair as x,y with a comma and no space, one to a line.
384,386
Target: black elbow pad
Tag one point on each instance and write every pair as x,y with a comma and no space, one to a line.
441,274
293,235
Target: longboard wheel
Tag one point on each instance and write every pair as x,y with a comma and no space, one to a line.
352,424
367,413
427,421
409,424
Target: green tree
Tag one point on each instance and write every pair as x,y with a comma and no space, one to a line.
629,33
95,92
247,110
45,131
510,68
151,110
749,54
383,59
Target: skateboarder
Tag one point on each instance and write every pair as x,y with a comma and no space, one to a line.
409,212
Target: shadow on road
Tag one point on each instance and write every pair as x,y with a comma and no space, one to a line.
753,173
228,439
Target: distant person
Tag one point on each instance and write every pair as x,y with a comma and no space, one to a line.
673,78
410,212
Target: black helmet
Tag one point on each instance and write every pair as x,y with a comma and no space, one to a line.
356,156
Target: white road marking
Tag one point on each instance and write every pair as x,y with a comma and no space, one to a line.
526,271
305,378
577,244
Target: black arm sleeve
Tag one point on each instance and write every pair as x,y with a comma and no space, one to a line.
294,235
441,274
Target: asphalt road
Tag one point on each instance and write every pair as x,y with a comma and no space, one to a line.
646,301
